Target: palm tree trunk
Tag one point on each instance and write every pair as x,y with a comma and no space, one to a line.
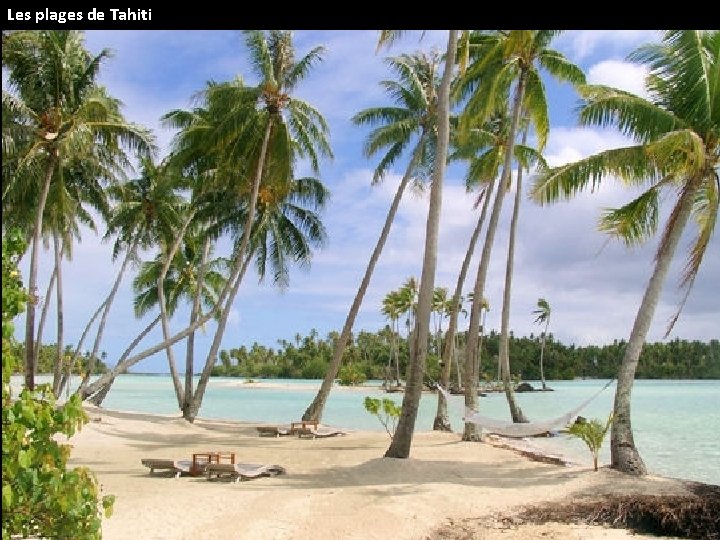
515,410
68,367
401,442
190,352
57,371
316,408
43,316
480,342
442,420
471,431
99,389
624,455
106,311
542,354
32,279
212,354
244,244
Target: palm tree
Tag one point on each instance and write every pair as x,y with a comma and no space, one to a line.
63,112
149,210
542,315
483,147
402,440
244,136
391,308
412,119
677,150
505,62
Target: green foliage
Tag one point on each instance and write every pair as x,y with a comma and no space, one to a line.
386,410
40,497
351,375
592,433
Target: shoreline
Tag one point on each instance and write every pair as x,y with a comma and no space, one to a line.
336,487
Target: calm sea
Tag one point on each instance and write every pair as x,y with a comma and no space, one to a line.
676,423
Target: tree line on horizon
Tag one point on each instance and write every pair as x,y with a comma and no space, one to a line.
231,174
369,354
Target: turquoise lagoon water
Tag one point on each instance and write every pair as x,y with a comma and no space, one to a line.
676,423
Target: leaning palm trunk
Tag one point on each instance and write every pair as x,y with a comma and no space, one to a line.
316,408
67,368
194,408
194,313
32,278
43,316
106,311
402,440
515,410
478,367
624,455
100,388
442,420
57,370
191,413
471,430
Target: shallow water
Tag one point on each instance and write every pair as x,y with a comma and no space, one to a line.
676,423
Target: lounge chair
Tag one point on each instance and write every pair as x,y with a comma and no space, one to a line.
319,433
273,431
242,471
176,466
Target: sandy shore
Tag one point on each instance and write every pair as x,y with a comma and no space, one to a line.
335,488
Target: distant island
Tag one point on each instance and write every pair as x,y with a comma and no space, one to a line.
370,356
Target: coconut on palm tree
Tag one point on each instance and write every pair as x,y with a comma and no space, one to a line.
676,156
410,123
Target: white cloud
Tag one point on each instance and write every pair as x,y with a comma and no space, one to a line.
618,74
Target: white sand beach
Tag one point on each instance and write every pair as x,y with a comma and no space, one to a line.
335,488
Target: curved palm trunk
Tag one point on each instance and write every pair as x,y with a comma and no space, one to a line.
32,278
235,280
471,432
68,367
542,354
106,311
316,408
402,440
190,351
442,420
515,410
99,389
43,315
624,455
177,384
212,354
480,341
57,370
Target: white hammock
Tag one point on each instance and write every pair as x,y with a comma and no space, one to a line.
510,429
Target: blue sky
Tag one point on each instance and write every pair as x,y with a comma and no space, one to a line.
594,285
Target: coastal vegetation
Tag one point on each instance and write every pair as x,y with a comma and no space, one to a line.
307,357
230,197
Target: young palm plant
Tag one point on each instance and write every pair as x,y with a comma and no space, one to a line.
676,150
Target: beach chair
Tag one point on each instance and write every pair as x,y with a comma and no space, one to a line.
242,471
273,431
176,466
319,433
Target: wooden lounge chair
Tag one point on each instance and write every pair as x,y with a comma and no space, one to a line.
242,471
176,466
319,433
273,431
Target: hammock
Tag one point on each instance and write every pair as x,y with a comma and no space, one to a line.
510,429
